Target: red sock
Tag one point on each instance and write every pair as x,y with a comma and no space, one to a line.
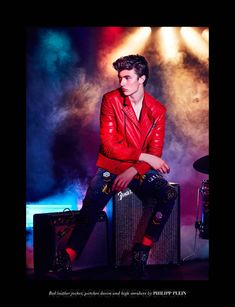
72,254
147,242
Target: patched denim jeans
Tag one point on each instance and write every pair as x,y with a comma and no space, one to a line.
152,187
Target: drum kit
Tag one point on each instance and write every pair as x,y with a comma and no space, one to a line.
202,165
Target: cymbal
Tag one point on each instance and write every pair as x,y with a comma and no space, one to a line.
202,165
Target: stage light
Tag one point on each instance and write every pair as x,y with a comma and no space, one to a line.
169,44
205,34
195,43
134,43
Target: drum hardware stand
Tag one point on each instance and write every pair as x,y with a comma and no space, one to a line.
197,226
201,165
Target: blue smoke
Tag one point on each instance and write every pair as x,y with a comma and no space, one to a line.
50,64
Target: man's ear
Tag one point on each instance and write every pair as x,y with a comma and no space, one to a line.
142,79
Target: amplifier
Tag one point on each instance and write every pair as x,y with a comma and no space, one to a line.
52,231
130,218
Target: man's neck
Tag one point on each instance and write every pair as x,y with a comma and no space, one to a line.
137,98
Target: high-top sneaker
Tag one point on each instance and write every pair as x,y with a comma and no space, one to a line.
140,254
62,263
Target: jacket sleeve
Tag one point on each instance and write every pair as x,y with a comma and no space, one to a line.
113,144
155,144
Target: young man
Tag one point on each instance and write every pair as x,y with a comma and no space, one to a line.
132,125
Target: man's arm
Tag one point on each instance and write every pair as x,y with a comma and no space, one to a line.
156,162
122,180
151,158
148,160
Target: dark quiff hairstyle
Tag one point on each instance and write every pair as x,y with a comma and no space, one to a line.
138,62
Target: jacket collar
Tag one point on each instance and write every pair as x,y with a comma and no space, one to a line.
146,115
129,111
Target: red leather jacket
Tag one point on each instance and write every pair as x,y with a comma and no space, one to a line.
124,138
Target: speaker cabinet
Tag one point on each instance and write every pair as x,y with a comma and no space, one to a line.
130,218
52,231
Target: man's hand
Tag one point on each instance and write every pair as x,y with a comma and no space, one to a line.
122,180
156,162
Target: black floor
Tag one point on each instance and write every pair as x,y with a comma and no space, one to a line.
190,270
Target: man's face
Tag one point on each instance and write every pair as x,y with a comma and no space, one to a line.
129,81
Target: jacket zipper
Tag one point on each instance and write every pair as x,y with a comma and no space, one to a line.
125,129
153,125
